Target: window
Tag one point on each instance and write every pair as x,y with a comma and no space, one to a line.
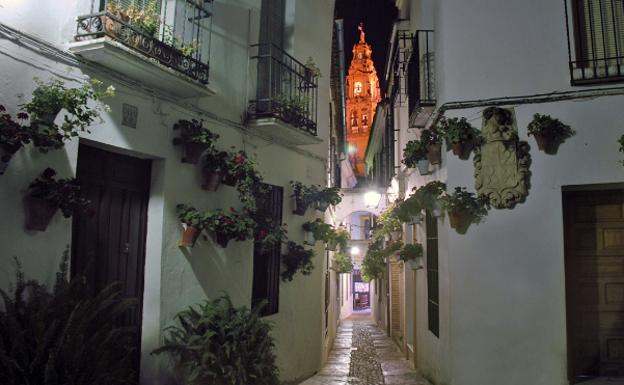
364,120
433,289
357,90
266,263
597,46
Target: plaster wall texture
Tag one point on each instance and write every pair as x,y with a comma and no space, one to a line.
174,279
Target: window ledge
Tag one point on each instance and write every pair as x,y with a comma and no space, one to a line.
280,131
116,56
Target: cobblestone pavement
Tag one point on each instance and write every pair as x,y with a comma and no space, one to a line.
364,355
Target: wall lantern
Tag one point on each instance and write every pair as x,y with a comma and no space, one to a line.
371,199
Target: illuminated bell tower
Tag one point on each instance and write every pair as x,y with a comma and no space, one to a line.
362,97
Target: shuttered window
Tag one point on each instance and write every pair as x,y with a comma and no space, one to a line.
266,264
433,288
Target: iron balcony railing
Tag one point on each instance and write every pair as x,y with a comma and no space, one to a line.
176,34
420,73
284,89
595,31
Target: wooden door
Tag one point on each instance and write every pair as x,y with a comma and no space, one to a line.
109,239
594,264
396,313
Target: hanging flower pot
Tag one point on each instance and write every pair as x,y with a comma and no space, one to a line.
455,218
229,179
193,151
39,213
220,239
322,206
308,238
416,264
416,219
434,153
211,180
189,236
436,210
396,235
332,244
547,142
423,166
549,132
299,206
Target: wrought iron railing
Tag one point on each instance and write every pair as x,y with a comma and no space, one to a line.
284,88
595,30
420,73
177,35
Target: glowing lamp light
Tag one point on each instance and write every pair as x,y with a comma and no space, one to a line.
355,250
372,198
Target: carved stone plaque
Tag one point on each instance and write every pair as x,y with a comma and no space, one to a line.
501,162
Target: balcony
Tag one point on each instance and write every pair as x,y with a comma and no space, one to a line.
420,77
595,41
283,97
167,49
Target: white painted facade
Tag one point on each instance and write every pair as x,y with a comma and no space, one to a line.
502,284
174,279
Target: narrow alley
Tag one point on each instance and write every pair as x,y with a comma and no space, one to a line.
364,355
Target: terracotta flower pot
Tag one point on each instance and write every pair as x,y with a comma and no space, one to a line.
434,153
322,206
221,239
455,218
189,236
211,180
299,206
39,213
547,143
423,166
192,152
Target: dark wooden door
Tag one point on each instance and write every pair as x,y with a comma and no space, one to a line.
594,264
109,239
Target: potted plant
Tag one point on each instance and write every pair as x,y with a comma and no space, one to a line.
217,343
213,169
316,230
549,132
13,136
373,264
296,259
194,139
412,254
409,210
144,18
388,224
342,263
464,208
327,196
226,226
430,196
338,237
433,143
268,233
48,194
193,221
459,135
415,155
302,197
311,70
52,97
391,249
241,171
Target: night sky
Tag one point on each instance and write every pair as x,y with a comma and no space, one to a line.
377,16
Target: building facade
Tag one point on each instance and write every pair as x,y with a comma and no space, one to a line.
217,69
527,296
362,95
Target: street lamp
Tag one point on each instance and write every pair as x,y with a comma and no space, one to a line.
371,199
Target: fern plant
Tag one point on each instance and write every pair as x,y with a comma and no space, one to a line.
218,344
64,336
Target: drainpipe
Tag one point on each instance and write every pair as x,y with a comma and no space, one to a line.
341,60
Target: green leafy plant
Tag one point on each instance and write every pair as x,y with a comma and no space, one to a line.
373,264
241,170
410,252
306,195
191,216
457,131
319,229
340,237
268,232
59,193
64,336
387,223
312,68
296,259
13,135
214,161
407,209
230,224
52,97
414,151
328,196
466,204
391,248
144,16
548,126
217,343
342,263
430,136
430,194
193,131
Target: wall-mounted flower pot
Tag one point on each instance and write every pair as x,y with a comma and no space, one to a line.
5,158
423,166
396,235
434,153
220,239
547,143
39,213
322,206
462,150
229,180
459,221
211,180
45,119
189,236
416,219
436,211
416,264
308,238
299,206
331,245
192,152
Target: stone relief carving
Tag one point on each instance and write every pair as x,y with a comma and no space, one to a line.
502,161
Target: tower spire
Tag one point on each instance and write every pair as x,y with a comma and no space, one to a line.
361,29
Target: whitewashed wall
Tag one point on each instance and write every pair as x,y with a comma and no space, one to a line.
173,279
